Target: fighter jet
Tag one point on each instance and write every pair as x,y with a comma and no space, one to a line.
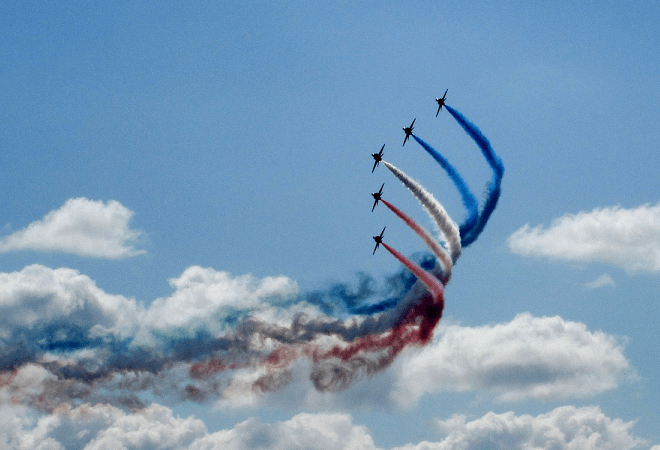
376,196
378,157
408,131
379,240
441,102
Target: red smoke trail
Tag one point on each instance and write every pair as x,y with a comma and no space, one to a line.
436,289
336,367
415,329
212,366
428,309
437,250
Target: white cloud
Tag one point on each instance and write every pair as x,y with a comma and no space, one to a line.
529,357
205,296
627,238
564,428
104,427
202,298
41,295
303,431
602,281
81,226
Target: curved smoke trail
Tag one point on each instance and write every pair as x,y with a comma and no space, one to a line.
74,368
347,362
447,226
436,289
469,200
90,358
494,190
335,368
437,250
345,299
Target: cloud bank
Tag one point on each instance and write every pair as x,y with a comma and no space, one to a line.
564,428
63,339
626,238
103,427
82,227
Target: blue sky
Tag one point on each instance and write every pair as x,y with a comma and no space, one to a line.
148,146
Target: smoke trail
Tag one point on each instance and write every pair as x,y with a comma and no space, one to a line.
428,309
74,367
76,358
348,362
437,250
469,200
494,191
447,226
436,289
481,140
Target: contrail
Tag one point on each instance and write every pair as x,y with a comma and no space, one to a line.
447,226
469,200
437,250
493,193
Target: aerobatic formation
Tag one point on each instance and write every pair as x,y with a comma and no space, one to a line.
335,337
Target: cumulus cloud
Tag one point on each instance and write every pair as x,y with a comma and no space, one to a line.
564,428
627,238
303,431
39,296
600,282
103,427
81,226
204,296
106,427
75,341
529,357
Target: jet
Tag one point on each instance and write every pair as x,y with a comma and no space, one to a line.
408,131
379,240
376,196
441,102
378,157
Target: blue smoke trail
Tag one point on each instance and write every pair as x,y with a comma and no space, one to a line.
469,200
342,299
494,191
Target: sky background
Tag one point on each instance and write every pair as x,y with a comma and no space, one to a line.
143,139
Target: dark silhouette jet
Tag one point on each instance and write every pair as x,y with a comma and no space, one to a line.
441,102
378,157
408,131
376,196
379,240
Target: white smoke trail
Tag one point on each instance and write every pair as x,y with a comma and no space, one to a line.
445,224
